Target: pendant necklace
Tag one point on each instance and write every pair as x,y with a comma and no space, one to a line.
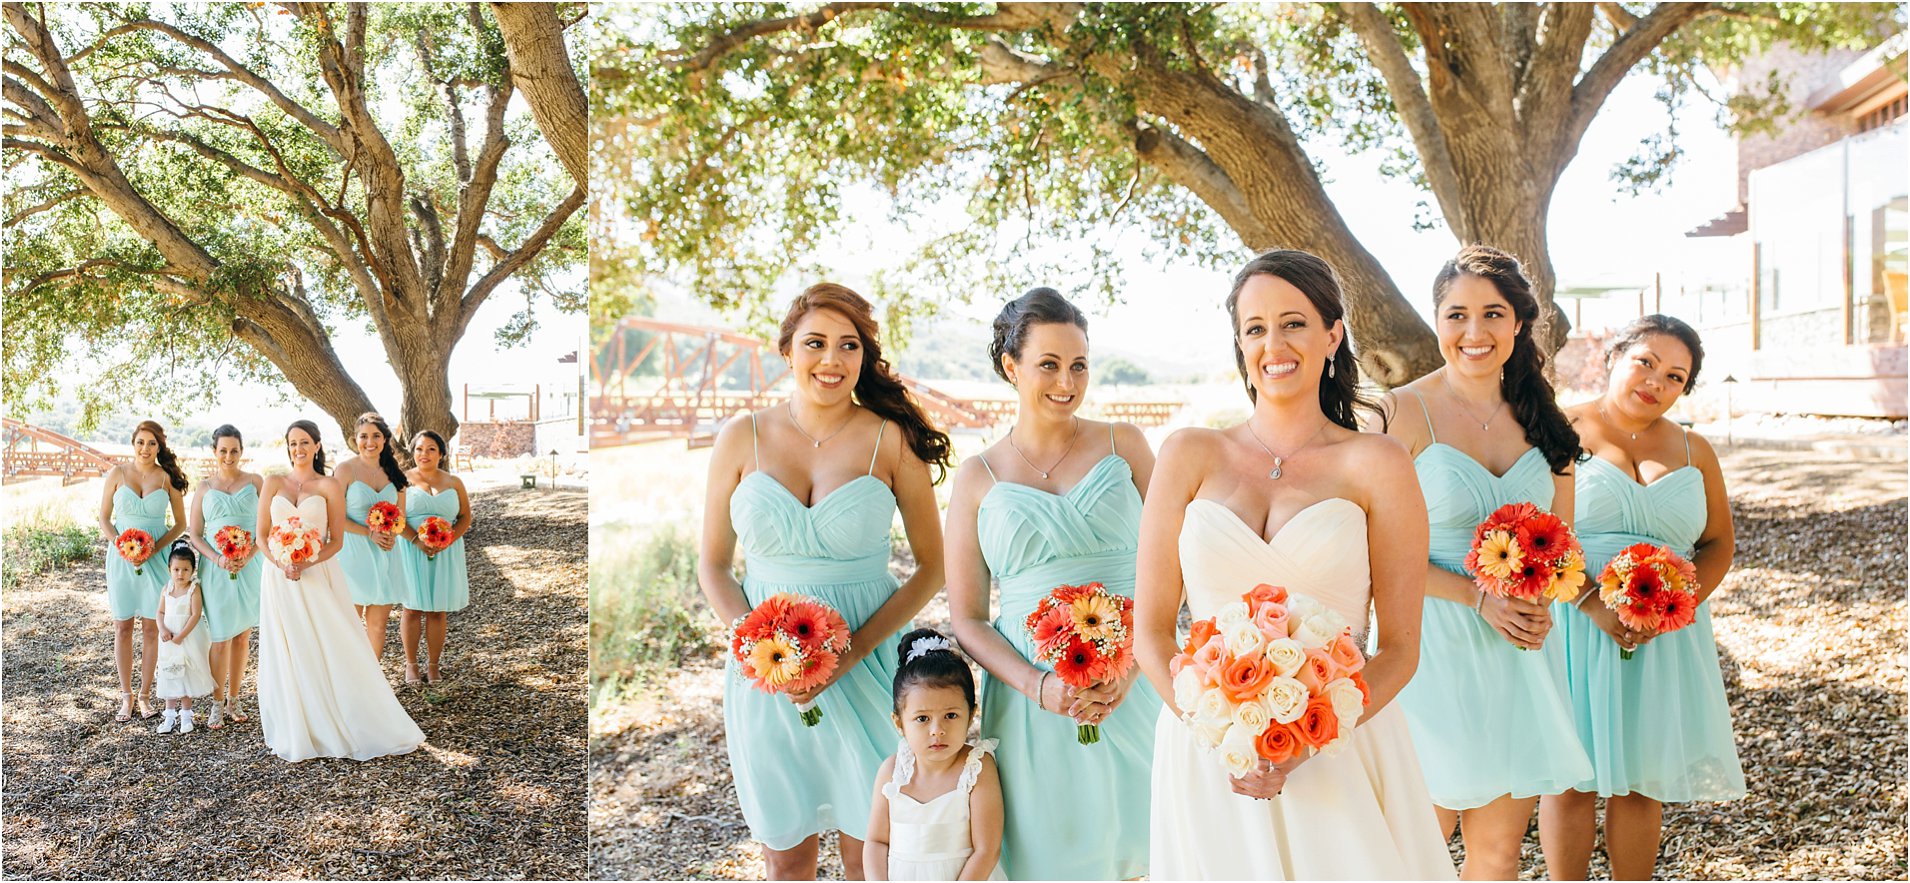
1064,454
1608,421
790,406
1278,460
1485,424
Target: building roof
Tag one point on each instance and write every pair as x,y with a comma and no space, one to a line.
1730,223
1872,80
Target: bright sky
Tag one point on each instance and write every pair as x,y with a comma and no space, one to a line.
1591,224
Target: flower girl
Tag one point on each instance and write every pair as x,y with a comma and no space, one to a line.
183,671
938,808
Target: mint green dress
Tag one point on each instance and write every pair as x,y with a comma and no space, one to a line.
231,605
795,781
435,584
373,575
130,594
1487,718
1657,724
1034,541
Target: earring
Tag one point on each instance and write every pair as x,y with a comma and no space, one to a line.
1329,368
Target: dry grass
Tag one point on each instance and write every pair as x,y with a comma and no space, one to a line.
1811,635
496,792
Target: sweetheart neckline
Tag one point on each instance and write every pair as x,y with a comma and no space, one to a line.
1269,541
1635,482
825,497
277,497
388,486
1063,494
128,487
1499,476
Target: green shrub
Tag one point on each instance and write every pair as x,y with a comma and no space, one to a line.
647,613
37,544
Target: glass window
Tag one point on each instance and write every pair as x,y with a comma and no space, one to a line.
1877,197
1797,222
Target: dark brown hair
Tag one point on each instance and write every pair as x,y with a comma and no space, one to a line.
1340,392
166,459
1040,306
1658,323
1528,394
388,456
877,388
310,429
934,668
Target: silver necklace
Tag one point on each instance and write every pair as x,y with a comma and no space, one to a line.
1457,400
790,406
1608,421
1278,460
1064,454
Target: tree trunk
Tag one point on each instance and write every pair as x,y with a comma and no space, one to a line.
541,69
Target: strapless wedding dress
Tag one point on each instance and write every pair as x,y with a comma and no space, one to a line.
1361,814
321,693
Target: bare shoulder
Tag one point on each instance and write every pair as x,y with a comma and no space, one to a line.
1129,438
1371,449
328,484
1703,455
1191,441
971,479
254,479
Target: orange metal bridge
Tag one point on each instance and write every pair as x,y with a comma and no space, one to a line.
693,362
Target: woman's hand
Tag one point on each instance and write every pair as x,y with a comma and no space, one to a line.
1055,696
1522,623
1607,621
292,571
383,538
1094,704
843,665
1267,781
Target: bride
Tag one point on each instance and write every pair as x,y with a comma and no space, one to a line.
1289,498
320,691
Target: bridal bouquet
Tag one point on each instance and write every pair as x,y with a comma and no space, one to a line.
790,644
135,546
1522,551
292,541
435,534
234,542
1650,588
1086,633
384,516
1268,676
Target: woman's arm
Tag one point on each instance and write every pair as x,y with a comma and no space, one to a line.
716,547
178,500
1396,514
334,519
1718,544
463,525
106,529
262,529
196,523
1100,700
875,848
345,472
1158,587
985,816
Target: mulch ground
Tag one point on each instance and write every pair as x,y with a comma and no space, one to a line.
497,791
1811,633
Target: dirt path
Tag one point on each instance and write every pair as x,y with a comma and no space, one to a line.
497,790
1810,625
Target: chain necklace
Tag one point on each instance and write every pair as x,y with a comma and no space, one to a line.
1278,460
1608,421
1485,424
790,406
1064,454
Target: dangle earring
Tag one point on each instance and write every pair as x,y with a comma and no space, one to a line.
1329,368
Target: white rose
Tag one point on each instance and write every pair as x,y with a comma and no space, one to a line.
1253,715
1300,607
1207,732
1230,613
1243,638
1237,753
1287,656
1315,632
1213,706
1348,702
1186,688
1285,699
1338,744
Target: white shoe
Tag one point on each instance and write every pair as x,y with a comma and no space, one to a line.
185,721
171,719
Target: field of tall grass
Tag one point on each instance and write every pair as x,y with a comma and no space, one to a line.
48,527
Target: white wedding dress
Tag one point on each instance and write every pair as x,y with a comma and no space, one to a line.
321,693
1361,814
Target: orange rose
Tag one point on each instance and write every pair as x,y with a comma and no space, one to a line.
1277,743
1264,593
1346,654
1316,672
1198,635
1317,725
1244,677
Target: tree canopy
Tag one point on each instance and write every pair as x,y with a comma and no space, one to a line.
207,193
734,131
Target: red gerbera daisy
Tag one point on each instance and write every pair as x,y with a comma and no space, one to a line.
803,622
1676,610
1544,535
1076,666
1055,625
1531,579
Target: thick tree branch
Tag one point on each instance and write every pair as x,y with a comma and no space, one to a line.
1637,42
516,259
541,68
1415,109
1187,166
1544,102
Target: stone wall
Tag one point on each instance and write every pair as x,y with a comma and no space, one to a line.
501,440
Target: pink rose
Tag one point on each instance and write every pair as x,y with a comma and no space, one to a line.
1346,655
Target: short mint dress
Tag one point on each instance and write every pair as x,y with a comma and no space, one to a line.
232,605
1657,724
1487,718
436,584
130,594
373,575
1034,541
795,781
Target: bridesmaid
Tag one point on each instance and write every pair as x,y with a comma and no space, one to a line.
1485,430
372,571
438,584
227,497
1658,725
1056,501
808,492
133,498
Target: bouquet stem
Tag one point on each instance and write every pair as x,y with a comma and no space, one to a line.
1624,653
811,715
1087,734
